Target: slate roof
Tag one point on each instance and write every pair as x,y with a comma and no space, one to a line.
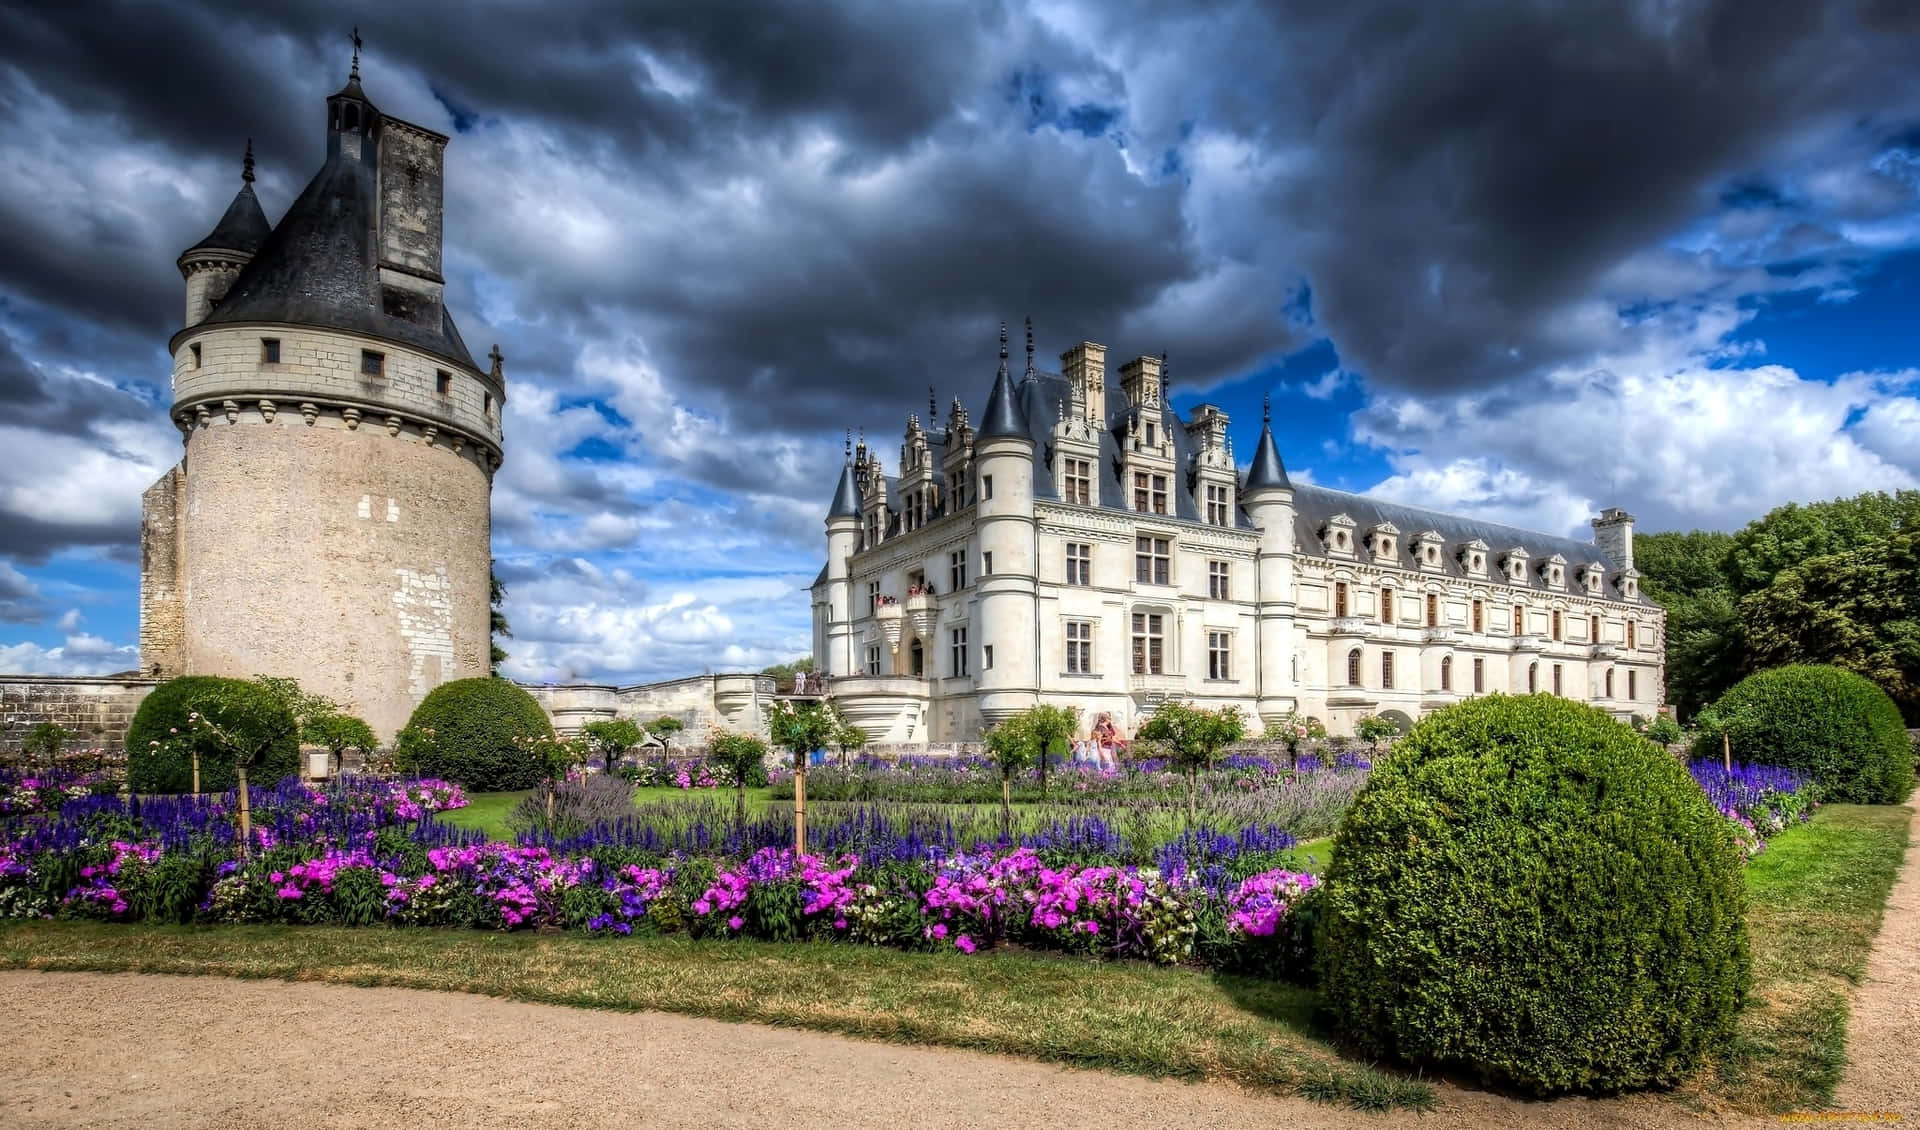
243,228
846,497
1266,470
320,264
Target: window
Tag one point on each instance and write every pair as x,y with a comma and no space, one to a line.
269,351
1217,580
1219,655
986,487
1150,435
1633,685
1519,621
1149,493
957,569
873,596
486,406
1339,598
1479,616
1433,611
1079,484
1149,643
1353,667
195,349
1151,560
986,657
1079,563
1217,505
986,564
1386,606
1557,685
873,530
918,656
1557,627
372,364
1386,670
1479,676
443,382
1533,677
873,659
1433,555
958,645
1079,647
1633,635
1446,672
1609,691
1593,632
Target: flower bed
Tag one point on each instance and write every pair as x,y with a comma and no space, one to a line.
1758,800
361,852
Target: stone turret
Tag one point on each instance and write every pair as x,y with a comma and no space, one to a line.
210,266
1267,497
1009,592
843,541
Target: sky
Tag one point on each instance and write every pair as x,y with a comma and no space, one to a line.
1519,261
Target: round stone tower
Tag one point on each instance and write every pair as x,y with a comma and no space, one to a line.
330,519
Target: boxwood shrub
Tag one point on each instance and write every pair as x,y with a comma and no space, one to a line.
470,731
1532,893
162,716
1836,725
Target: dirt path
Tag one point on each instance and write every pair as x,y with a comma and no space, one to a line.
150,1052
1883,1028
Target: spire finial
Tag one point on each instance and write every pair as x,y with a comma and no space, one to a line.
246,166
849,445
1003,349
1029,344
494,355
356,52
1166,377
933,406
1266,409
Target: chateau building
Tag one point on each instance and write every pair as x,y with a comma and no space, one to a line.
329,519
1083,545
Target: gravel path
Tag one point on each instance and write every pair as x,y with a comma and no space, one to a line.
1883,1027
98,1050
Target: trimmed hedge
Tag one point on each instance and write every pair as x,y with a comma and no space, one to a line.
169,769
467,731
1836,725
1532,893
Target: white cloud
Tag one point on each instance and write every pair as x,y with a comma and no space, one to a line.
79,655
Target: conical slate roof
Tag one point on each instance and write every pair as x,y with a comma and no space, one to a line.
243,228
846,497
1267,472
1005,415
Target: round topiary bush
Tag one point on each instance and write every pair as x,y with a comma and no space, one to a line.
162,717
471,731
1528,891
1839,727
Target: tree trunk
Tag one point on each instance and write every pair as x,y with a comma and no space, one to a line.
1192,785
1043,769
549,804
196,772
1006,805
800,805
246,813
740,801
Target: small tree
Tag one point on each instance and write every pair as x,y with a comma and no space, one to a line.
802,729
1193,738
44,740
848,738
1013,747
1050,726
738,754
338,732
1293,729
1375,728
241,722
663,728
553,758
611,738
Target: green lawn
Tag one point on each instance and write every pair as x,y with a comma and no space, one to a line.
487,812
1816,899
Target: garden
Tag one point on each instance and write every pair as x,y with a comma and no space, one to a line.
1593,914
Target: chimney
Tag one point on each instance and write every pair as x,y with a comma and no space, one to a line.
412,183
1613,533
1085,367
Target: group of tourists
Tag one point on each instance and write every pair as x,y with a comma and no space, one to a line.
1102,748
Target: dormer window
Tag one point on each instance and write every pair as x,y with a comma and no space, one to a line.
1555,571
1516,566
1473,557
1337,534
1385,537
1592,578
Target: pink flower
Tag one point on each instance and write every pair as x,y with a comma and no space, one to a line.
964,944
735,922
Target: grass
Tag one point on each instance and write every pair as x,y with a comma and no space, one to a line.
1178,1023
487,812
1815,900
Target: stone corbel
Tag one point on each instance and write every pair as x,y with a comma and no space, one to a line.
201,416
393,425
268,410
232,408
429,433
308,412
352,417
459,444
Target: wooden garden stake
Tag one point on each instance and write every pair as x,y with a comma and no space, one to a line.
800,804
1726,752
246,814
196,770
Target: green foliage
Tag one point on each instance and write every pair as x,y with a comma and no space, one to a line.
1683,572
613,737
803,728
782,672
743,755
1528,891
44,740
849,737
1375,728
1831,723
475,732
1012,745
1292,728
1859,610
663,728
161,739
1664,730
1792,534
497,626
1193,736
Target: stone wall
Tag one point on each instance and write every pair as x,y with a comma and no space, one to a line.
96,709
163,612
700,702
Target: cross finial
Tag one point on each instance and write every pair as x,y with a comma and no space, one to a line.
849,445
933,406
1003,349
497,358
1266,409
246,166
1029,344
1166,376
356,52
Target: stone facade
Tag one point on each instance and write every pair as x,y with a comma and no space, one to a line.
95,710
1098,551
702,703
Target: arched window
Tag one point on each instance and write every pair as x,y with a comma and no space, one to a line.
1609,682
1446,673
918,656
1353,667
1533,677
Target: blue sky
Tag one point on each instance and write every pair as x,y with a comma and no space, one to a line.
1519,261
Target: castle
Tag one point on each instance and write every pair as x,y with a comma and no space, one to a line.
1083,545
329,518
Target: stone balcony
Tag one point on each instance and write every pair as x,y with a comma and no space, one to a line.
1605,650
1157,687
1439,634
1348,625
1529,643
